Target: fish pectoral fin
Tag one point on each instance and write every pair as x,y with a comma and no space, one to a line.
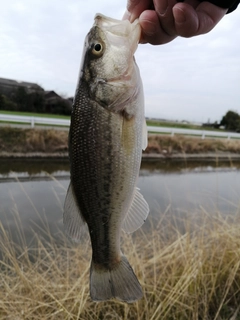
144,135
73,220
137,213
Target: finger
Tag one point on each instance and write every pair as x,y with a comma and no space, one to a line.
152,31
135,8
190,22
163,9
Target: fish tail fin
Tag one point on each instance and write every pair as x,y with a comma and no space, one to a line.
120,283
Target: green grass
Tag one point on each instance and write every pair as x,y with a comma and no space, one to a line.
167,124
32,114
180,125
149,122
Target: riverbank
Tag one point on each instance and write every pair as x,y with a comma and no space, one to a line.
36,144
188,275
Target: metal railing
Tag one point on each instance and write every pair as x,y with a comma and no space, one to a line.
151,129
34,120
193,132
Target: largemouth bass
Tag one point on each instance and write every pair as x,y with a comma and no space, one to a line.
106,138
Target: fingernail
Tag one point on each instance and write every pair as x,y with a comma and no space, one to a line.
179,15
162,6
127,15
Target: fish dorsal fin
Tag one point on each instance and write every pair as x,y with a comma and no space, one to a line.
137,213
73,220
144,135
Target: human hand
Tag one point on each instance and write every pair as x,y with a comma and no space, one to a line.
163,20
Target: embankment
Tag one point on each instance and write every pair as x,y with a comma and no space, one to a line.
36,143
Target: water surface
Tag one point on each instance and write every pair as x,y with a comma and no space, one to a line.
33,192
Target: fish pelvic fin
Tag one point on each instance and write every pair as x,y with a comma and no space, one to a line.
120,283
74,223
137,213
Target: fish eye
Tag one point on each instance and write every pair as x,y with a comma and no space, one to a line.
97,48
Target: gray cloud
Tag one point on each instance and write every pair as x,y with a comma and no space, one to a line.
194,79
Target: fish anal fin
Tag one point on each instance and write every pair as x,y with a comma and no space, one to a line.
73,220
137,213
120,283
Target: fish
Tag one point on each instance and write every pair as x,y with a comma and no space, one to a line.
107,134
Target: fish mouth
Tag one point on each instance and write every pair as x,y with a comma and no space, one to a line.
119,28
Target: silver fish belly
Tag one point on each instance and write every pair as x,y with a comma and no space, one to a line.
106,138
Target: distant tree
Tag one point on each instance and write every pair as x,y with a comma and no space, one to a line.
25,101
7,104
20,97
2,102
36,102
216,125
62,107
231,121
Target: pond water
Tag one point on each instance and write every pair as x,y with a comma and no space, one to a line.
32,193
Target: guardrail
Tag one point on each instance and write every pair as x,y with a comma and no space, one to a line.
35,120
151,129
202,133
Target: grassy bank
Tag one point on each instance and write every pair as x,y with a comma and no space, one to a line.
187,145
188,275
13,140
172,124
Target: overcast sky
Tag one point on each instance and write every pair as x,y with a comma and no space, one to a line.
194,79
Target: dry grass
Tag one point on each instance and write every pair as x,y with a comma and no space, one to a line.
32,140
15,140
185,144
193,275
